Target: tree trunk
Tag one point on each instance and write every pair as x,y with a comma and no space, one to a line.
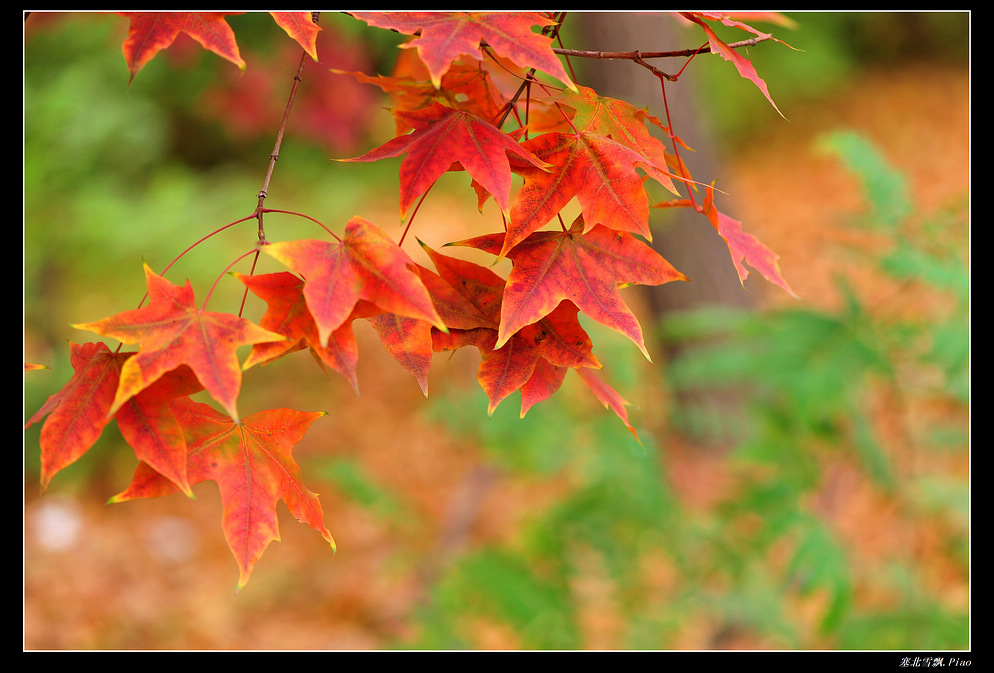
683,236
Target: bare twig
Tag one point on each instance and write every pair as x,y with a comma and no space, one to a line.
636,55
279,140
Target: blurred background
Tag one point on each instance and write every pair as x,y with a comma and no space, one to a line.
803,478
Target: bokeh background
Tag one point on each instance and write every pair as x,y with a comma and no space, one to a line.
803,480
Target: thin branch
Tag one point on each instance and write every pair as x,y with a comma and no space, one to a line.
530,76
279,140
635,55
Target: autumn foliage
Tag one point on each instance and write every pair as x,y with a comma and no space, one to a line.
532,147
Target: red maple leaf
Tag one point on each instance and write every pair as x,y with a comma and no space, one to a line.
741,63
407,340
444,137
149,426
252,463
457,307
151,32
173,331
78,413
532,358
477,286
443,37
545,380
557,339
584,267
608,396
365,265
744,248
624,123
597,170
464,87
301,27
287,314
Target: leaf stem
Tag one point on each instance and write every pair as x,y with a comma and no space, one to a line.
253,251
204,238
306,217
245,292
530,76
192,246
669,129
410,219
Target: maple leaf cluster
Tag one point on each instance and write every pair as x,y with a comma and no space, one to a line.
451,113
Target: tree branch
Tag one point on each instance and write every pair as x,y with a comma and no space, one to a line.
637,55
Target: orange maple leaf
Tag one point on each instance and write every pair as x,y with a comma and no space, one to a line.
624,123
459,309
608,396
464,87
744,248
584,267
478,288
151,32
149,426
545,380
444,137
599,171
251,462
301,27
557,339
408,341
172,331
287,314
741,63
443,37
533,357
78,413
365,265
